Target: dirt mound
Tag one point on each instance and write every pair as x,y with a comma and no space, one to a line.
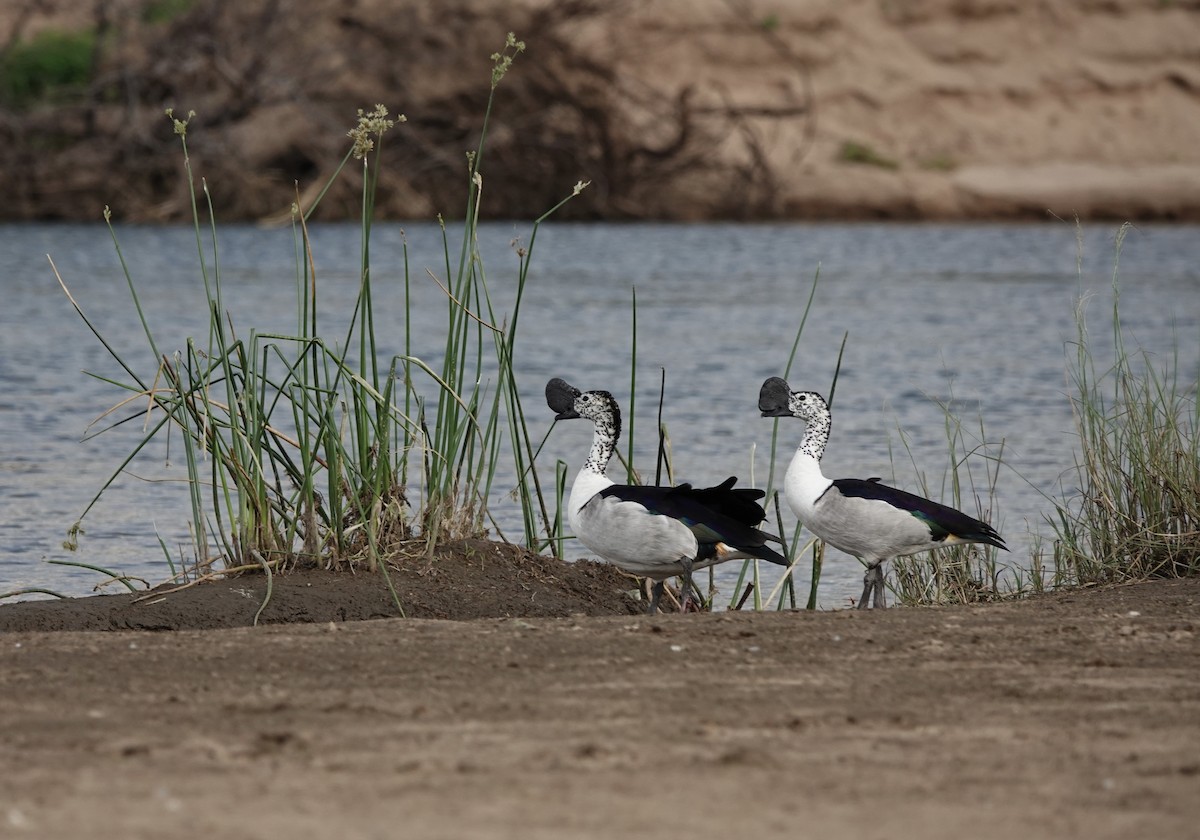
468,579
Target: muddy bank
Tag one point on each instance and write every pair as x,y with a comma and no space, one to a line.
466,579
937,109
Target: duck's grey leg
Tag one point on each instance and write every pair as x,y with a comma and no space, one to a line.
655,595
868,586
688,586
880,589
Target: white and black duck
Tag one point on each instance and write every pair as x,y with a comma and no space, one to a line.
654,532
862,517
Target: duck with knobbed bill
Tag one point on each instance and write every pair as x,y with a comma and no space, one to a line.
862,517
654,532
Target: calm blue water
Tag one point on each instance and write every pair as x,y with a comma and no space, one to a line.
980,313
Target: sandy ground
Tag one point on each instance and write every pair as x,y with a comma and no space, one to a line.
1070,715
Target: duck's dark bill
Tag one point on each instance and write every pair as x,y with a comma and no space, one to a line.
560,396
773,398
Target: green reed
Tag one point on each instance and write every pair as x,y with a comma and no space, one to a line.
1134,512
307,447
960,573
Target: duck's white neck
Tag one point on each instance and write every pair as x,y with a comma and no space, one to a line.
816,436
604,441
804,482
591,479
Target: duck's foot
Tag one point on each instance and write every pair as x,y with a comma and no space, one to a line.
873,588
868,587
685,600
656,595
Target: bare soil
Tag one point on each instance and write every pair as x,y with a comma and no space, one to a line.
468,579
1075,714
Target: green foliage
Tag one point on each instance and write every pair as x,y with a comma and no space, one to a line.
1135,512
164,11
939,163
860,153
53,65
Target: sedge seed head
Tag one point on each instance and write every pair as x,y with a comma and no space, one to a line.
180,125
502,61
371,124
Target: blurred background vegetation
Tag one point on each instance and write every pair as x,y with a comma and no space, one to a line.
729,109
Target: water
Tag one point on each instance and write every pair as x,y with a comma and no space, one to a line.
980,313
